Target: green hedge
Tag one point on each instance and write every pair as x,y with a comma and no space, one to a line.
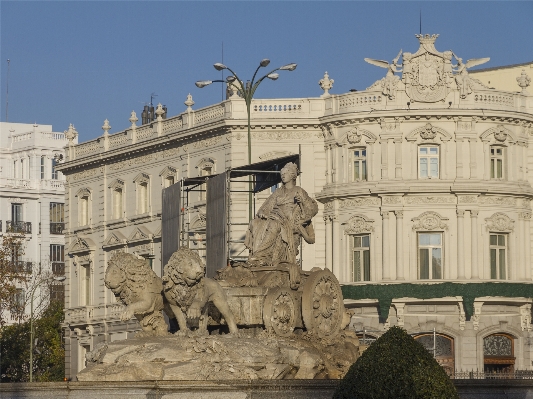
385,293
396,367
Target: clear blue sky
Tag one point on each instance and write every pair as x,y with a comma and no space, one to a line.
81,62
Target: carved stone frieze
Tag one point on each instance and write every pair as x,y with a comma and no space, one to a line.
328,206
274,154
393,199
525,317
356,202
430,221
500,132
277,136
358,224
86,174
500,222
430,199
467,199
353,136
494,200
429,132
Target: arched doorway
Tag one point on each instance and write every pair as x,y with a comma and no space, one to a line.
441,347
498,353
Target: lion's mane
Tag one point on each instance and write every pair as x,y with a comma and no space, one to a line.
136,272
175,286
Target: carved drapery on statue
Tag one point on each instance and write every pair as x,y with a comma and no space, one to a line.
274,235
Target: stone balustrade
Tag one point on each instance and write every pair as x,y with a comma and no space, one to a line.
88,314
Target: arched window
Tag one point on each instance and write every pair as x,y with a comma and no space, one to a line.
498,353
441,347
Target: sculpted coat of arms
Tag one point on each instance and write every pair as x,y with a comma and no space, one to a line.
428,75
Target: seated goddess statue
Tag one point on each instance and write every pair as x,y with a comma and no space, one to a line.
274,235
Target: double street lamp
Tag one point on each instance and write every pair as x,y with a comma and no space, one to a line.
58,278
247,92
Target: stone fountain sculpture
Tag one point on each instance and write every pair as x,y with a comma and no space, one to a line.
283,322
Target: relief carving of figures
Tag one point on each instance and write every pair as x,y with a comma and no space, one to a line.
390,82
274,235
464,81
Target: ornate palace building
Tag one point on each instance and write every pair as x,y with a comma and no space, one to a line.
424,187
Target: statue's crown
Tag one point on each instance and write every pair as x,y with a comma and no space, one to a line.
427,38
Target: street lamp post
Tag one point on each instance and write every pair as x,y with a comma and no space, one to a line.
59,278
247,92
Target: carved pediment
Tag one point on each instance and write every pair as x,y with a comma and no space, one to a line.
114,239
500,222
428,221
358,224
81,245
168,171
83,192
157,233
500,133
355,134
117,183
429,132
140,234
141,178
199,222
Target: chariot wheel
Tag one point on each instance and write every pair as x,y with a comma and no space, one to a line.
279,311
322,304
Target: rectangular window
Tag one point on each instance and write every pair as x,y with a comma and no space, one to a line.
57,217
42,168
117,203
57,258
54,171
430,255
428,162
16,213
15,174
496,162
498,256
22,170
359,165
361,258
143,197
20,298
169,181
86,285
205,172
84,211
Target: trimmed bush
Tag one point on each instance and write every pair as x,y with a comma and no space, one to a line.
396,367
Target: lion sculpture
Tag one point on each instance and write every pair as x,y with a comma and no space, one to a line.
140,289
188,292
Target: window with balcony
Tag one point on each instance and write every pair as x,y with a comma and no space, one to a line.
359,164
430,251
17,224
498,256
428,162
361,258
57,217
496,162
57,258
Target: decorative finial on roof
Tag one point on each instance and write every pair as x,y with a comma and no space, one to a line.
71,133
326,84
427,38
523,81
189,103
159,110
106,128
133,119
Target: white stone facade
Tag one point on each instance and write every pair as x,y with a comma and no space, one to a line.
422,178
31,189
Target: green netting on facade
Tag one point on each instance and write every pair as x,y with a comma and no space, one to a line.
385,293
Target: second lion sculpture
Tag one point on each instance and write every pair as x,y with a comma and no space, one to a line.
188,292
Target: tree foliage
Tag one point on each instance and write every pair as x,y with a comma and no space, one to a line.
49,351
11,276
396,367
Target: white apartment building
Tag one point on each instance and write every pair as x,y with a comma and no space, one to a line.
424,186
32,197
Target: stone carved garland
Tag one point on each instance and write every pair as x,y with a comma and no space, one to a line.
358,224
355,202
500,222
429,221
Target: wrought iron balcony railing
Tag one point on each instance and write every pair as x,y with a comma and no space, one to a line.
58,268
22,266
56,228
18,227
